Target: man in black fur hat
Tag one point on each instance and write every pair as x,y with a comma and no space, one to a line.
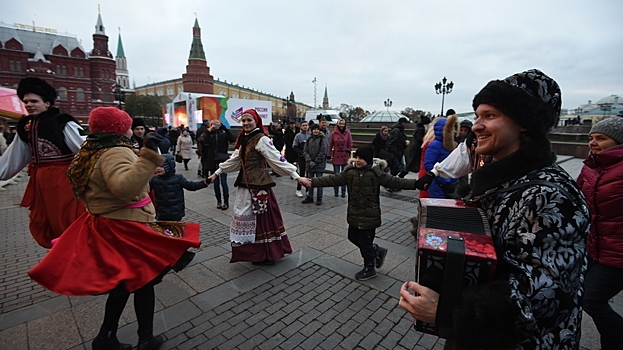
539,222
47,141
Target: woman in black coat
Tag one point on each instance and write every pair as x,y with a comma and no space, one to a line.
213,147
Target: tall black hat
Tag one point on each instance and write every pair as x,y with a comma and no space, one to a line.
38,87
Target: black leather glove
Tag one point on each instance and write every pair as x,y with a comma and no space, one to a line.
151,140
469,140
424,182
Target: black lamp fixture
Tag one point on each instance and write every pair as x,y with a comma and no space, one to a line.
443,88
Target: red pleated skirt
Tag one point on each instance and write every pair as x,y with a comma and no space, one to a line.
95,254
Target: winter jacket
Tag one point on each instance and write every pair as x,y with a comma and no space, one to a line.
185,146
299,143
340,145
169,192
601,181
119,178
278,137
397,142
288,138
364,208
379,144
539,232
438,150
212,142
316,152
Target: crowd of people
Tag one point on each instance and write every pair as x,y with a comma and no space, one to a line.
115,193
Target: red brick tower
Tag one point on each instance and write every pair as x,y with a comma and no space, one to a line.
197,77
102,67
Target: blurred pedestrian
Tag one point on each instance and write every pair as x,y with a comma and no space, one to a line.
185,147
315,154
299,147
214,149
340,146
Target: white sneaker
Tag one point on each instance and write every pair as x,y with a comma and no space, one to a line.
299,193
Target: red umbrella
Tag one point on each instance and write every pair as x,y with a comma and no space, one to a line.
10,105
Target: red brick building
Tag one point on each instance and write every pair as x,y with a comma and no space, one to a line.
83,80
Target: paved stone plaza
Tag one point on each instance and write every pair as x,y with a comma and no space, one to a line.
308,300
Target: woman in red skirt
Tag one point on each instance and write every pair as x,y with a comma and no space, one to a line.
257,232
116,247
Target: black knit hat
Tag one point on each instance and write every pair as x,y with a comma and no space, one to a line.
38,87
530,98
138,122
314,126
366,153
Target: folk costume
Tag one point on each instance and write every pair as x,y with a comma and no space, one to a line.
117,246
46,143
257,232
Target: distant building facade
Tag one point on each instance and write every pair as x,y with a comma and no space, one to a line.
197,79
83,80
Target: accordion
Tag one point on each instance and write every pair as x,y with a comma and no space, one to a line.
454,250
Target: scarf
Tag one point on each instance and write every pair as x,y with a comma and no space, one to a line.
532,155
84,161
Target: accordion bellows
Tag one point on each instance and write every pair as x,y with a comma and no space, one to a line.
454,250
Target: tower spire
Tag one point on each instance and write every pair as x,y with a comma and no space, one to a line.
99,27
196,49
325,99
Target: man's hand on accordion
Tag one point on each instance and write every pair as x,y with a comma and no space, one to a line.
422,307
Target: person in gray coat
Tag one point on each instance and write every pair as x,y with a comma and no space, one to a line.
315,154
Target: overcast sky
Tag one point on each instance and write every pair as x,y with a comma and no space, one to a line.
364,51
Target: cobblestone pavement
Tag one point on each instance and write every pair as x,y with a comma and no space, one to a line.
308,300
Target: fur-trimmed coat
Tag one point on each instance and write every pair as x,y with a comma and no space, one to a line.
120,178
438,150
539,232
364,208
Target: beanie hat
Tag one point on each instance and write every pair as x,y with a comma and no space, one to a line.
403,120
450,112
138,122
314,126
531,98
366,153
169,163
466,124
38,87
110,120
611,127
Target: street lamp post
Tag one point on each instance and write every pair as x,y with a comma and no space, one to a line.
443,89
388,104
119,96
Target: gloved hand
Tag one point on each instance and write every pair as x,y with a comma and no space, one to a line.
469,140
424,182
151,140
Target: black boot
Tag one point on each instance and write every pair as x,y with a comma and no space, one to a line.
219,205
225,202
103,341
380,256
367,272
146,341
